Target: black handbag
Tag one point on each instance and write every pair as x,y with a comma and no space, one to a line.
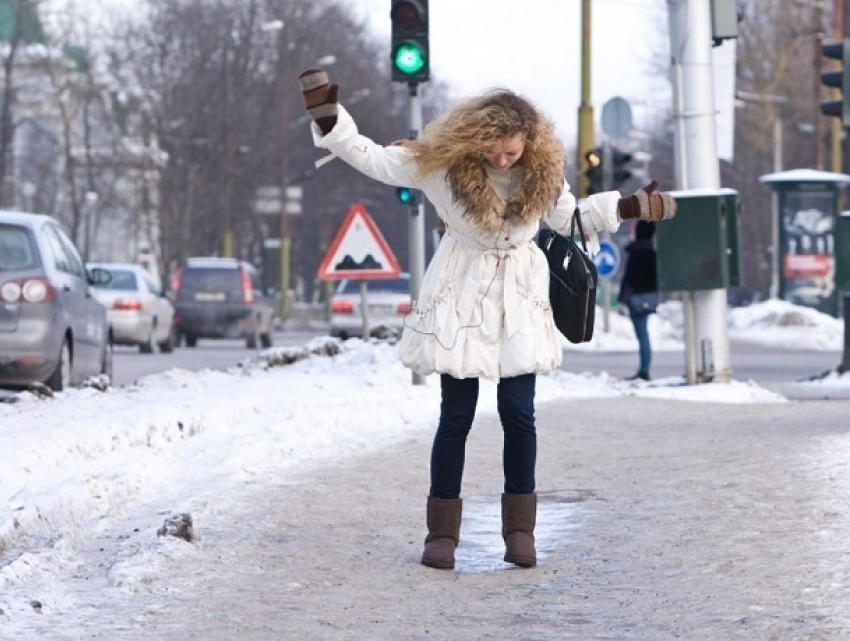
643,303
572,282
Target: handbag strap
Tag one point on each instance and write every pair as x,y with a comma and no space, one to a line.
577,221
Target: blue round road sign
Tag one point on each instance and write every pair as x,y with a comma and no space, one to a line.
607,261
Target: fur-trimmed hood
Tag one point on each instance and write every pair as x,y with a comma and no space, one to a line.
542,179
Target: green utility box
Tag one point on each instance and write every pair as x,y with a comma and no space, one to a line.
842,253
699,248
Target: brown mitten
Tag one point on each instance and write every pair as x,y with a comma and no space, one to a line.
320,98
645,204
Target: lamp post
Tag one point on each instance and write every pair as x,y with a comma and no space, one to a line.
276,26
288,199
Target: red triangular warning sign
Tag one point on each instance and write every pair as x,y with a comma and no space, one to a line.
359,251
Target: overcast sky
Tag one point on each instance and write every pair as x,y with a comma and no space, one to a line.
534,47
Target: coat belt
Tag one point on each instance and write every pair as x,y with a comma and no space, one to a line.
482,274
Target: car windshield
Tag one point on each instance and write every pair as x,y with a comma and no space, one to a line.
210,279
121,279
394,285
15,249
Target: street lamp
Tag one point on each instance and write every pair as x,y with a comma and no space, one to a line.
276,26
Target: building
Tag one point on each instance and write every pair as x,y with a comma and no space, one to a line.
76,145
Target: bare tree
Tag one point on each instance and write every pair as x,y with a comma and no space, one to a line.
228,110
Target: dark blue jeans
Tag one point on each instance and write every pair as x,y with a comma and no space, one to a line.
640,322
515,402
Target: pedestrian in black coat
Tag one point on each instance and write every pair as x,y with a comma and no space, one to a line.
640,276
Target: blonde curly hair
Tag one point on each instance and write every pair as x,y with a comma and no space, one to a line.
457,142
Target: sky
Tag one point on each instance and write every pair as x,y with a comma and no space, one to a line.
534,47
72,464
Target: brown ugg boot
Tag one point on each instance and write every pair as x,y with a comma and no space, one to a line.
519,515
443,533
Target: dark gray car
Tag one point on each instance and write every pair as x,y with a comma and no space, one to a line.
52,330
222,298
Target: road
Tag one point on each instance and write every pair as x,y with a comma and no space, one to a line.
129,364
767,366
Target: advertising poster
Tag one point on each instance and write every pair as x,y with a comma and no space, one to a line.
808,251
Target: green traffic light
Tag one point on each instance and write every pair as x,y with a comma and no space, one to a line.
409,58
405,195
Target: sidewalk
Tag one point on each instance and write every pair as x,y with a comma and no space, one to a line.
657,520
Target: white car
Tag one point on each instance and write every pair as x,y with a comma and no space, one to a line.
388,302
136,307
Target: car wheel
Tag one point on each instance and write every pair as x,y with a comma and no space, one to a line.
106,359
167,346
147,346
61,376
252,338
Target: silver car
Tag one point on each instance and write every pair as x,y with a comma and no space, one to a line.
52,330
136,307
388,303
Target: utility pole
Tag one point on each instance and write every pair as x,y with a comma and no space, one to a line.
227,153
411,64
836,129
416,226
697,167
585,110
817,19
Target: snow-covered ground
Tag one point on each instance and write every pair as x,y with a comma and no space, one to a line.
71,462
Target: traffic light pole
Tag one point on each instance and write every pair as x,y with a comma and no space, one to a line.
416,223
585,110
697,167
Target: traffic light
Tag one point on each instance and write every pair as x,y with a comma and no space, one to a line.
409,52
593,172
405,195
620,173
838,50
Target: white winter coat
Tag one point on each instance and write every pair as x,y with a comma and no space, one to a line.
483,307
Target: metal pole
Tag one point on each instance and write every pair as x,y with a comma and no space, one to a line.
836,129
698,166
227,134
845,361
416,225
817,19
607,185
585,110
364,306
284,171
778,129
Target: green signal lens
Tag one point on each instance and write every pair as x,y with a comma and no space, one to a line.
409,58
405,195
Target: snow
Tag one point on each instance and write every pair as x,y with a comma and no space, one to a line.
71,462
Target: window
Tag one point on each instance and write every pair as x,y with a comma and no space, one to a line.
57,251
396,285
16,251
75,263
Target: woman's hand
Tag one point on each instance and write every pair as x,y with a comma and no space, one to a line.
646,204
320,98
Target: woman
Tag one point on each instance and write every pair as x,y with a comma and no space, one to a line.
640,276
493,168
